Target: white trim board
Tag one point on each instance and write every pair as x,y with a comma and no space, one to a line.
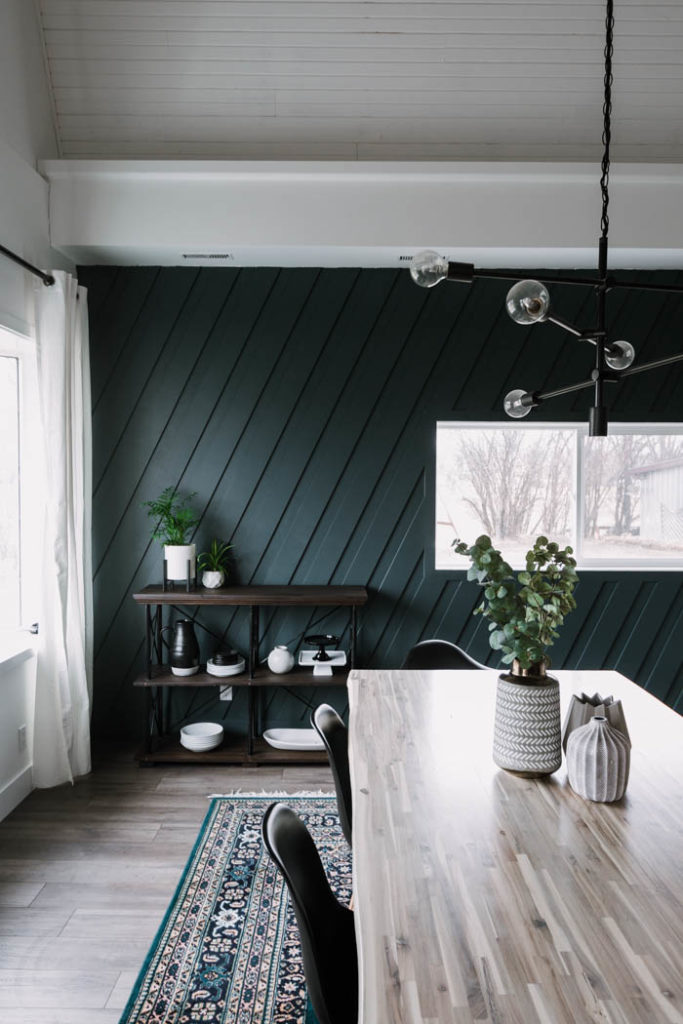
272,213
16,790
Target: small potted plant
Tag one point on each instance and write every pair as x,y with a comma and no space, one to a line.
526,609
213,564
175,521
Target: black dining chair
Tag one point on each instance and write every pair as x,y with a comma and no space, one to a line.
328,938
436,654
335,736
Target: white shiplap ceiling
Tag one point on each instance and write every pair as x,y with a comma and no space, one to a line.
347,80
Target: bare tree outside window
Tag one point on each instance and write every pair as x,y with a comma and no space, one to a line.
617,500
510,484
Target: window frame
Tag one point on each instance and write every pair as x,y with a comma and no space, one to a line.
580,430
21,347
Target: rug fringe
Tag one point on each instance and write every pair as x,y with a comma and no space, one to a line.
277,793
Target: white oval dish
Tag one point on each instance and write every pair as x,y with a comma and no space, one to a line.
201,736
293,739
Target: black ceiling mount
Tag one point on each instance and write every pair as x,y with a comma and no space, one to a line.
528,302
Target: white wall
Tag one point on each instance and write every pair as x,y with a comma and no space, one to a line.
27,135
361,214
17,691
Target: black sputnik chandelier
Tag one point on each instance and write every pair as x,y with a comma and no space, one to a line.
528,302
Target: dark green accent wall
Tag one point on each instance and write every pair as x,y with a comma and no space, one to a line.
300,405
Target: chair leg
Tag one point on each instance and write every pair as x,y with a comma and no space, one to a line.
310,1014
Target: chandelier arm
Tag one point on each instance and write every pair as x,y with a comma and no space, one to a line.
535,397
505,275
551,318
542,396
586,282
667,361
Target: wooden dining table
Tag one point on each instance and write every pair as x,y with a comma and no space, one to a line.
484,896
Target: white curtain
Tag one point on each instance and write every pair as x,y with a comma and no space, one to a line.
61,748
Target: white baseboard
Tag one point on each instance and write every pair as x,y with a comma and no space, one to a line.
16,790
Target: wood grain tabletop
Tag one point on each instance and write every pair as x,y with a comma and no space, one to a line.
483,896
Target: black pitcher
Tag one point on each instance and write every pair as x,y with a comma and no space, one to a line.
184,659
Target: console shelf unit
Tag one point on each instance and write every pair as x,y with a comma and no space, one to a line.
251,749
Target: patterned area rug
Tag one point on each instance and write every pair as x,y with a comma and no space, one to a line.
228,949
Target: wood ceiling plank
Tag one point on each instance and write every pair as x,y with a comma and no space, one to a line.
201,77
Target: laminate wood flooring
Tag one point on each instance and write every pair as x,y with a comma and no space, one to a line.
87,872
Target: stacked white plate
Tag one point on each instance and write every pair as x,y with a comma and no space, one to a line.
201,736
225,670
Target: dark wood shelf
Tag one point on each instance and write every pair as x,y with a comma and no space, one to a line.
294,595
299,677
168,750
162,676
160,748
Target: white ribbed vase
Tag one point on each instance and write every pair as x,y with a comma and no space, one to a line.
598,759
527,730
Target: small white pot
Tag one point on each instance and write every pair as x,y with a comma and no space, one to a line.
213,579
177,556
280,660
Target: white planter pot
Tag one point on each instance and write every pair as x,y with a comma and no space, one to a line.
280,659
177,556
213,579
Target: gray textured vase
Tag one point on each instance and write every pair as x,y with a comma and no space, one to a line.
598,759
527,735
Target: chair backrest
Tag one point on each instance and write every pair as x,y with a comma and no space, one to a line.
328,938
335,736
438,654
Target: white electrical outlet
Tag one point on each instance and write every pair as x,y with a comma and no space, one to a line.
21,737
225,692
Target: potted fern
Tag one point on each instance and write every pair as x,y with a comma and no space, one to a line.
525,609
174,521
213,564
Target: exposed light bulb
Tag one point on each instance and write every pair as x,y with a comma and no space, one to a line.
513,404
528,302
620,355
428,268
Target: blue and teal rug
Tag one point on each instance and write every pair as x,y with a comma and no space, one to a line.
228,949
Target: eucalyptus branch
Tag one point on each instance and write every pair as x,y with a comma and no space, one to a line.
525,608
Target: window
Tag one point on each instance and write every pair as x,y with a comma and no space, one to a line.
19,483
10,594
617,500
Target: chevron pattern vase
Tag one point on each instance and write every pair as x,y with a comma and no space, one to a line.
527,731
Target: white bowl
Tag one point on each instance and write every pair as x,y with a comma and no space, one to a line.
201,736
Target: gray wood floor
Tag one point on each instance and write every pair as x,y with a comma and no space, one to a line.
87,871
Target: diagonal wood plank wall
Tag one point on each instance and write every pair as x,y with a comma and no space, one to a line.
300,405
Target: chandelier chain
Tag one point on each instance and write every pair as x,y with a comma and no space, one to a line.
607,117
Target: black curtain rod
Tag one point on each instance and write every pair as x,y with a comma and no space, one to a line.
47,279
